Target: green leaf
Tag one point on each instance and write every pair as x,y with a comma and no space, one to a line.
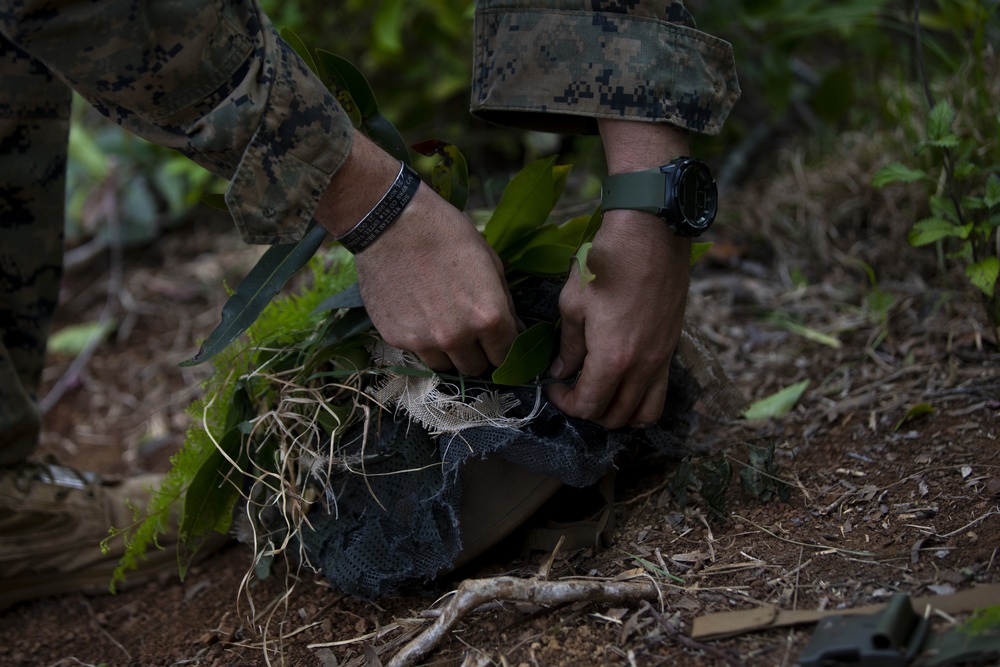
586,276
777,403
930,230
450,177
593,226
699,249
256,290
74,339
525,204
387,27
528,357
983,274
85,151
947,141
349,297
216,200
346,76
300,48
382,132
895,172
918,410
939,122
550,259
782,320
992,196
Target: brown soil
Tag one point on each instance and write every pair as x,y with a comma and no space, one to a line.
874,507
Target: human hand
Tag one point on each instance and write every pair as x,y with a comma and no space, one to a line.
430,283
619,332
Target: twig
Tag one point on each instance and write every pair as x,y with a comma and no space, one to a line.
805,544
691,643
995,510
472,593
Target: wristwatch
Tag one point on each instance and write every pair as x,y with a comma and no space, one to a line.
682,192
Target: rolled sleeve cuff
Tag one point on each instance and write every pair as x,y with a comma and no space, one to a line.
303,138
560,70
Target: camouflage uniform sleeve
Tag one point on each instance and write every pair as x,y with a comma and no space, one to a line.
557,65
210,78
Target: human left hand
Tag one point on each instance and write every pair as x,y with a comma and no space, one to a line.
619,331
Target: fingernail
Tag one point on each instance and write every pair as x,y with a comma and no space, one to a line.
557,368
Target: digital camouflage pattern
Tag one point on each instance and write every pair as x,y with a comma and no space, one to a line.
34,127
212,79
557,65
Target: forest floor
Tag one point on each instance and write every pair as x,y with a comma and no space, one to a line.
877,502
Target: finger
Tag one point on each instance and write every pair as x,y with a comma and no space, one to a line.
572,350
650,406
436,360
470,360
590,397
495,342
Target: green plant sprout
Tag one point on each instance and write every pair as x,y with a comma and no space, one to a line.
958,158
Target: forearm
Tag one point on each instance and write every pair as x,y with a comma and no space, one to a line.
210,79
635,146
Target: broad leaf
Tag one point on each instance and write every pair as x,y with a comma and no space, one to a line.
586,276
450,177
342,74
918,410
264,281
529,356
345,75
74,339
992,196
934,229
300,48
939,122
525,204
895,172
983,274
550,259
215,200
349,297
387,26
571,234
777,403
699,249
382,132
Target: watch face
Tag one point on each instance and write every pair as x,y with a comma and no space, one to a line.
697,196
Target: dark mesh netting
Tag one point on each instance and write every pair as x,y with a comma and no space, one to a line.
396,522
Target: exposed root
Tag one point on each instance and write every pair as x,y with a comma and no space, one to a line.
473,593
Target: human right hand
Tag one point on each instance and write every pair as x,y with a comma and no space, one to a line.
431,283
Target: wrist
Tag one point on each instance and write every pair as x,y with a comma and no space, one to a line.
357,187
634,146
385,213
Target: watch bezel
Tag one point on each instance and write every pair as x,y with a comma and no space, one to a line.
674,199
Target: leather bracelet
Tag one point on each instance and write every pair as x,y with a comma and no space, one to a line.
384,213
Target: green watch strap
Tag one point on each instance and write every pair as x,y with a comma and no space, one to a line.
637,190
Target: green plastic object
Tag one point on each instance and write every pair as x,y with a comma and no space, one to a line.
890,638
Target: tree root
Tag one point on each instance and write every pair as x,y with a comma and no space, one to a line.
475,592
